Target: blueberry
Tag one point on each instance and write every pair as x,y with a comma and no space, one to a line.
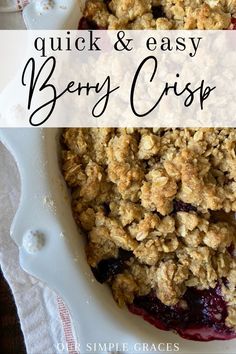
125,255
107,268
157,11
178,205
85,24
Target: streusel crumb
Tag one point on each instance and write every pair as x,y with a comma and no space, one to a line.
161,14
165,197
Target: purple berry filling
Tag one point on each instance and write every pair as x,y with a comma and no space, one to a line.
203,318
107,268
157,11
178,205
86,24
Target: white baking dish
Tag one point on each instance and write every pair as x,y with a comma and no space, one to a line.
56,255
50,245
57,14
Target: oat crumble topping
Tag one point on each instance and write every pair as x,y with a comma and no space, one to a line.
165,197
160,14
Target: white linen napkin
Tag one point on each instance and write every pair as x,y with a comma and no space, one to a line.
45,320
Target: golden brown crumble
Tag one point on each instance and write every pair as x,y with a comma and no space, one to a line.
168,196
161,14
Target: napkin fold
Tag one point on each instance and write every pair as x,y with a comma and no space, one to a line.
44,318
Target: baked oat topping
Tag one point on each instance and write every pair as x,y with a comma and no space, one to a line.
158,205
158,209
159,14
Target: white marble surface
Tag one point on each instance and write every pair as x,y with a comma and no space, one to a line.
11,20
